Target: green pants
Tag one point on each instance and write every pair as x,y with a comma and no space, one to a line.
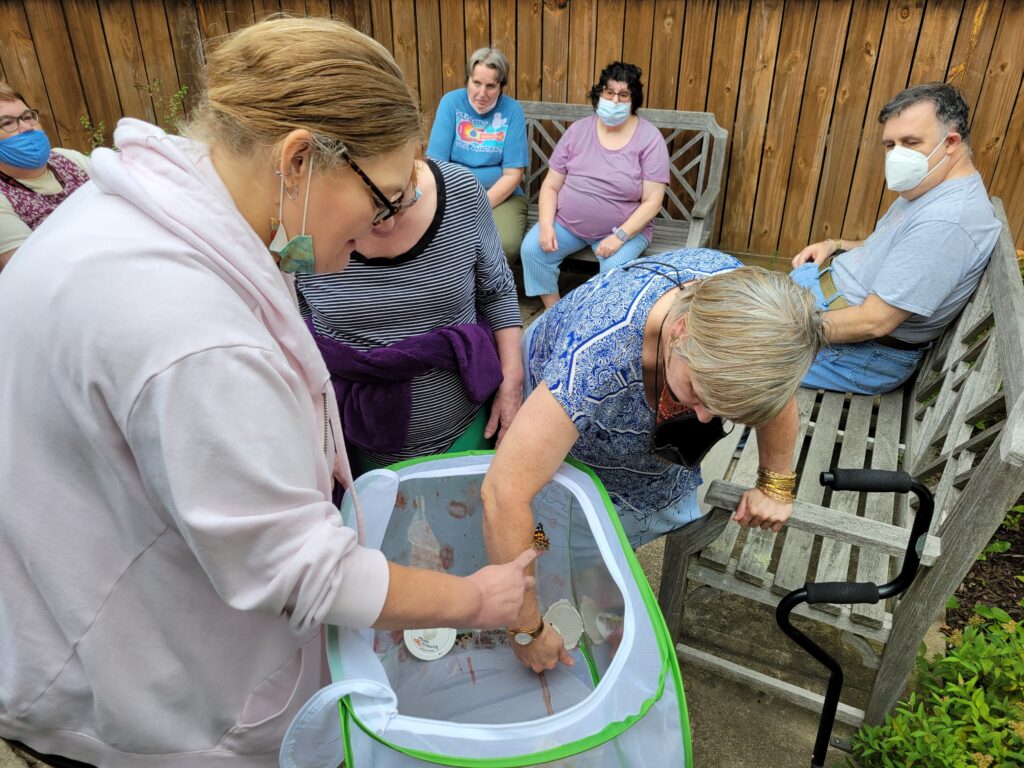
472,439
510,218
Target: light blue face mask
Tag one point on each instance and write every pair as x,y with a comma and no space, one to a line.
612,113
295,254
30,149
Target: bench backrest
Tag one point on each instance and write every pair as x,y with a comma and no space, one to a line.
696,144
970,388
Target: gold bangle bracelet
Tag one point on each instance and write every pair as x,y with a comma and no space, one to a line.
769,475
775,493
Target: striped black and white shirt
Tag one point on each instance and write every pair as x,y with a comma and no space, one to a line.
454,271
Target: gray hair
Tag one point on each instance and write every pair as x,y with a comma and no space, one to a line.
751,335
489,57
950,107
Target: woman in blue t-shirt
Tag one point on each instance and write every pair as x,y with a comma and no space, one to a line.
482,129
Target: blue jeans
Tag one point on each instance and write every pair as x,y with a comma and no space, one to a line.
540,269
865,367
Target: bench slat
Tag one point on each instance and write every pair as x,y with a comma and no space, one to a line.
872,566
745,474
796,550
756,557
834,558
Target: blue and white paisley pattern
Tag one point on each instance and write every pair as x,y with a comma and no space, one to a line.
587,349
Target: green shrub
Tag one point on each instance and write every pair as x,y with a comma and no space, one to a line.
968,709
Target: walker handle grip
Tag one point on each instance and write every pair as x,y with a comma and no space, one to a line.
879,480
843,592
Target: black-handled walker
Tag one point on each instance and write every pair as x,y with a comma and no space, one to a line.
868,480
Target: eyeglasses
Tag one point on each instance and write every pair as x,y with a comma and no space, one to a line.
11,123
388,208
611,95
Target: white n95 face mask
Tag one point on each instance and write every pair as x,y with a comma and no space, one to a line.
906,168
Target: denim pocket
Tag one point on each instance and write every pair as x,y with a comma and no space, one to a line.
885,368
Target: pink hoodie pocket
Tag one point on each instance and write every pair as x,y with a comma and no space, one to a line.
271,705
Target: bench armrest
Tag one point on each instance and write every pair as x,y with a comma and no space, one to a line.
822,521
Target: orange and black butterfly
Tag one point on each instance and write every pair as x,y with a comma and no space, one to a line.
540,539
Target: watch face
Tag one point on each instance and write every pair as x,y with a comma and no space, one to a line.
523,638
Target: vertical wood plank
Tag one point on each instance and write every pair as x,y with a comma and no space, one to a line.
94,68
428,35
478,28
363,16
355,13
662,79
582,30
126,58
611,20
187,44
859,62
695,58
261,9
158,55
815,117
935,43
21,64
380,12
973,47
1002,80
453,45
555,51
403,24
637,31
311,8
780,136
503,37
901,30
60,74
1008,180
238,13
213,22
748,134
528,58
724,83
343,10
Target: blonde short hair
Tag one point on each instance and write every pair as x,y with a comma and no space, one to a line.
751,335
9,94
282,74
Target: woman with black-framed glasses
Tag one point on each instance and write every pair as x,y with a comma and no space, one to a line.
170,442
34,178
629,373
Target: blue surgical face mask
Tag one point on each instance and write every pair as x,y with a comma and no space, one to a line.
612,113
30,149
294,254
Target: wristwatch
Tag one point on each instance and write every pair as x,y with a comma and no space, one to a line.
620,233
526,636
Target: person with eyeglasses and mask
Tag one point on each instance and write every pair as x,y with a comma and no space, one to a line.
169,549
423,328
889,296
605,184
632,374
34,178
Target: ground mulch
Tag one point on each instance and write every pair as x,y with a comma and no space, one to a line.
993,581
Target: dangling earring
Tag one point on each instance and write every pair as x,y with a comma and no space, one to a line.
292,192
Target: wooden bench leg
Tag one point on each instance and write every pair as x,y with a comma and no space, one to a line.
679,547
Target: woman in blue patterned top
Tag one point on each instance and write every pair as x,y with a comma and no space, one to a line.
688,331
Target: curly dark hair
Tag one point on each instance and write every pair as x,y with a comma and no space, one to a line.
950,107
621,72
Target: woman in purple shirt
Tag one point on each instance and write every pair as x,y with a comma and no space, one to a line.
605,183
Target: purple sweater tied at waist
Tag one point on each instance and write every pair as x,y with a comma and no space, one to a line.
374,386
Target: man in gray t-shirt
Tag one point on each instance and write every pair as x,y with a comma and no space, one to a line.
892,294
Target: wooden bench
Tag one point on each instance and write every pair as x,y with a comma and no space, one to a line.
958,426
696,145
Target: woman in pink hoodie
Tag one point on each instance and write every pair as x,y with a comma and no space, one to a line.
168,433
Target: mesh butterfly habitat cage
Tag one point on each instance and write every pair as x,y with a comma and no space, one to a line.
459,697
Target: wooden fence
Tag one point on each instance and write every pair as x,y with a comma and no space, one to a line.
797,83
